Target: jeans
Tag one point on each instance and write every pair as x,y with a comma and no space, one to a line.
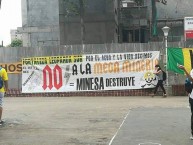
191,107
1,99
159,84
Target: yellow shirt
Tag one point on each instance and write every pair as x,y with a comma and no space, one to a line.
4,76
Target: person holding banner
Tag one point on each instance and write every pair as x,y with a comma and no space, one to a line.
3,89
190,77
159,73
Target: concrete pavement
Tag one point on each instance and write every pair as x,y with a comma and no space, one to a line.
155,126
80,120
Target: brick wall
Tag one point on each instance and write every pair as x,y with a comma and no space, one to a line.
177,90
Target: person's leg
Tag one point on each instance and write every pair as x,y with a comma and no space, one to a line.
1,111
1,105
162,87
191,108
157,86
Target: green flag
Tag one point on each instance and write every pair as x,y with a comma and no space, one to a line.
181,56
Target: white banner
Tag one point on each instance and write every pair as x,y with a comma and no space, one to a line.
90,72
188,28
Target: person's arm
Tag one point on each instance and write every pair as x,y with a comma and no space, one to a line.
5,79
6,85
187,74
157,72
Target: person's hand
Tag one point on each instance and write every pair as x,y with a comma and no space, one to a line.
181,67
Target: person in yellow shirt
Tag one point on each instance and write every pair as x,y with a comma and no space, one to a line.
3,90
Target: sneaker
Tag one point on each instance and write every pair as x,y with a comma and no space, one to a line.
165,95
1,122
191,137
152,95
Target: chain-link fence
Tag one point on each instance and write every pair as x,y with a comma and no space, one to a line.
11,55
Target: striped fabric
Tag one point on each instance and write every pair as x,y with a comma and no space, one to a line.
181,56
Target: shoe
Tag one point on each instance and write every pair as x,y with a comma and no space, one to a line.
191,137
165,95
152,95
1,122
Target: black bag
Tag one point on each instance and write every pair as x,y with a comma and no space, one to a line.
164,75
188,85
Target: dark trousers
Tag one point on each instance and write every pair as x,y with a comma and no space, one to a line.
191,107
159,84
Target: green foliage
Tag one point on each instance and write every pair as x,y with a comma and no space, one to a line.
139,2
16,43
72,7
